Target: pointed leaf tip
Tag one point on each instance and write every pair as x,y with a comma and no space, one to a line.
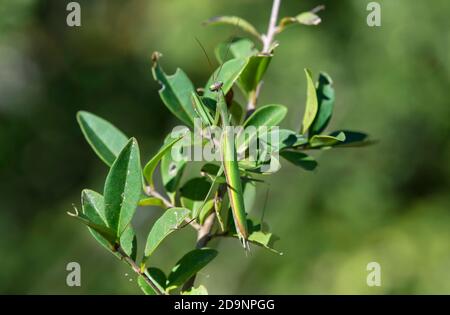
105,139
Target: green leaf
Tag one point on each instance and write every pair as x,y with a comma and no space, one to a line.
249,192
189,265
94,217
201,290
352,138
263,239
267,115
221,52
102,230
202,110
205,211
254,72
301,140
305,18
210,169
128,242
93,206
299,159
158,277
151,201
264,116
175,92
145,287
280,139
257,236
193,194
325,99
236,112
94,209
235,21
240,48
123,188
311,103
228,75
172,168
106,140
150,167
324,140
308,18
165,225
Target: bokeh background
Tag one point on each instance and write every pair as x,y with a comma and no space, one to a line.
388,203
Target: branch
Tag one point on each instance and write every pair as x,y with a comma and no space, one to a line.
267,43
271,30
137,270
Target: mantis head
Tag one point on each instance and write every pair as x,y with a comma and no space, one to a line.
216,86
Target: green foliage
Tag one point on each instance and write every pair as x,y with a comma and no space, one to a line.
267,115
236,22
305,18
172,169
150,167
324,140
165,225
175,92
254,71
157,276
228,73
325,99
94,209
300,159
311,103
123,188
220,199
189,265
193,193
201,290
106,140
151,201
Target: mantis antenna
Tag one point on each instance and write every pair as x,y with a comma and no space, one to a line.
217,85
205,53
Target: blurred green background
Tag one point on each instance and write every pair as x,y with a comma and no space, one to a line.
388,203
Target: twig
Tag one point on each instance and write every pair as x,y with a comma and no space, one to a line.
267,43
271,30
137,270
253,97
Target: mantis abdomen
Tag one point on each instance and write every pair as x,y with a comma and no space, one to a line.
231,170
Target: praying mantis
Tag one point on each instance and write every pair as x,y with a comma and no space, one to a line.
229,161
230,166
